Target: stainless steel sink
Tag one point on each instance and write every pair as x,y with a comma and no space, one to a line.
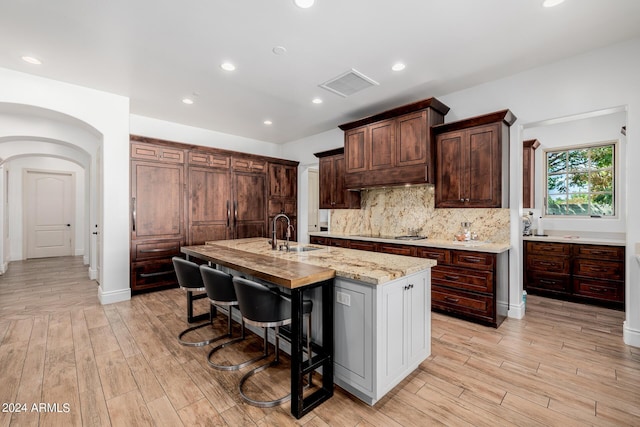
302,248
410,237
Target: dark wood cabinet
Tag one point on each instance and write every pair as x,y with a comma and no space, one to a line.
394,147
333,193
157,214
183,194
283,198
472,162
529,172
467,284
576,272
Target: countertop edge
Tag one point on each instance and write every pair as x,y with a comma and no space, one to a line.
488,247
575,239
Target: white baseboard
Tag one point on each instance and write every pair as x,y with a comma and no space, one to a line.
630,336
516,311
93,273
110,297
85,259
4,267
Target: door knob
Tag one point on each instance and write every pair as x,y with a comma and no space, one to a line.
68,225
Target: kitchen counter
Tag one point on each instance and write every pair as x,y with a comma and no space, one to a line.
374,268
473,245
592,238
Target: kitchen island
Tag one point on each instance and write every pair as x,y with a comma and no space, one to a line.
380,306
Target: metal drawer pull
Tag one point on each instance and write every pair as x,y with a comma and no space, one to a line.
547,264
594,289
471,259
452,277
409,286
149,251
159,273
451,299
547,282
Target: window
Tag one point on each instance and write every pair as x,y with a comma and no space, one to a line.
581,181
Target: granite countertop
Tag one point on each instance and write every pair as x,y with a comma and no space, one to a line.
593,238
368,267
473,245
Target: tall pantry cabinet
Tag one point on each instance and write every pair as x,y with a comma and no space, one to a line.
187,195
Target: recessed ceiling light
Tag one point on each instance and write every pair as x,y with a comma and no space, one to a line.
398,66
227,66
31,60
268,122
551,3
304,3
187,101
316,101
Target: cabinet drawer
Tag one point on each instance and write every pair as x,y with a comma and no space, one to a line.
200,158
548,282
599,289
317,240
460,278
610,270
340,243
362,245
389,248
612,253
155,152
151,250
462,303
479,260
152,274
443,256
282,206
548,248
548,264
250,165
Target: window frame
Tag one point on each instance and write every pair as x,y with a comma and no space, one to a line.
616,177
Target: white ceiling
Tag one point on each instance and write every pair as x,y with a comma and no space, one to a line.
157,52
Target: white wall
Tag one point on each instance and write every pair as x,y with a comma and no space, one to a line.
16,201
107,117
597,80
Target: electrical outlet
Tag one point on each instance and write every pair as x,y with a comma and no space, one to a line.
342,298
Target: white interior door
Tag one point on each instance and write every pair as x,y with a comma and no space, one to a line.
49,213
314,201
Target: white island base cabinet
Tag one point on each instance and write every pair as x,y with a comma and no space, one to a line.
382,333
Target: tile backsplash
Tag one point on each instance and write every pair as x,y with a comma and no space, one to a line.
393,211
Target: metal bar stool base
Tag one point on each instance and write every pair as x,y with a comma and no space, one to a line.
197,343
262,403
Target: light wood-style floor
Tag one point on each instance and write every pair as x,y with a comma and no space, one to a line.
120,364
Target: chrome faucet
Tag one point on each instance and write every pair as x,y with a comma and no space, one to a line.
274,240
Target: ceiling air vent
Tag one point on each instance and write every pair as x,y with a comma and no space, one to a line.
348,83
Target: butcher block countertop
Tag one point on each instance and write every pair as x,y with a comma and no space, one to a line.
296,268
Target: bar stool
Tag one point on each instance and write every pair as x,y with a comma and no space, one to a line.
264,308
220,291
190,281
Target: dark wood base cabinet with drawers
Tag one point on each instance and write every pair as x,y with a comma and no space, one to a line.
576,272
466,284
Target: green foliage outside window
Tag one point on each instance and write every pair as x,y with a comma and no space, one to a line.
580,182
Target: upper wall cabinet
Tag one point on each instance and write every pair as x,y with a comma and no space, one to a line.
472,162
332,191
394,147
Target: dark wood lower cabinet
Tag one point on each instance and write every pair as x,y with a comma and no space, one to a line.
586,273
467,284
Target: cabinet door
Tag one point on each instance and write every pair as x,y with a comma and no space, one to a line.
482,175
382,137
449,165
209,205
394,330
355,149
418,313
411,139
327,182
157,192
282,180
249,208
